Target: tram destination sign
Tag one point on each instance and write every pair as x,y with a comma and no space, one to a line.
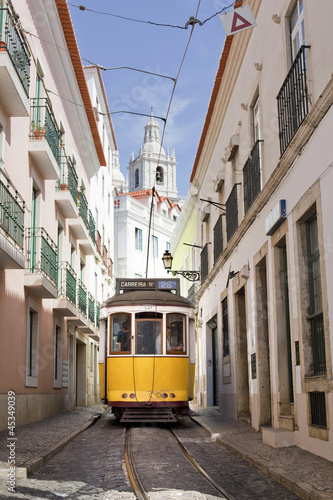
131,284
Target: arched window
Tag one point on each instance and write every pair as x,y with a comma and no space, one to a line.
159,175
137,178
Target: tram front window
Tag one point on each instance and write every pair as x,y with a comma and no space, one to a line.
148,330
176,334
120,338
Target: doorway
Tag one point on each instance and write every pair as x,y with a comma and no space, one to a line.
263,347
242,366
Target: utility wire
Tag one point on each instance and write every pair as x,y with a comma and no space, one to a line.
96,64
84,8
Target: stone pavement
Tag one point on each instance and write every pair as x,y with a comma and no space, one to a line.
307,475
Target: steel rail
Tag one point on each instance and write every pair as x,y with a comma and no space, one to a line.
226,495
137,486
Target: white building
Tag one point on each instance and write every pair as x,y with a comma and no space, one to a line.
135,222
264,163
152,166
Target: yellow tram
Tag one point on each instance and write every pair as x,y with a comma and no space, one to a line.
146,351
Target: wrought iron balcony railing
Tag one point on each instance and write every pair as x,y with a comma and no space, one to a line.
13,43
41,253
105,256
99,243
91,308
92,227
204,263
98,314
293,102
44,125
232,212
68,178
218,238
82,298
252,176
67,282
11,211
83,209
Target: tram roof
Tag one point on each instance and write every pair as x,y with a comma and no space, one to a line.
147,297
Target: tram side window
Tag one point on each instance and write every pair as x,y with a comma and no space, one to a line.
148,328
120,338
176,334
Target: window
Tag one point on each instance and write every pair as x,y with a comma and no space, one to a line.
155,246
159,175
31,378
148,329
315,294
136,178
293,96
252,176
218,239
138,239
318,409
232,212
57,357
176,334
120,335
297,31
225,327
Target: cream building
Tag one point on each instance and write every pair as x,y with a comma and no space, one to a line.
50,150
264,168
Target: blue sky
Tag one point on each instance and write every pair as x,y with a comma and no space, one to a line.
112,42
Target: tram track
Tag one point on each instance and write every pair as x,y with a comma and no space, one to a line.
136,483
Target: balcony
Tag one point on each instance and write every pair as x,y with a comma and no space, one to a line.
11,225
44,144
67,194
65,304
87,312
252,177
84,227
14,66
293,100
41,274
232,212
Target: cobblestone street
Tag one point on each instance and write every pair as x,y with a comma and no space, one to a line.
92,466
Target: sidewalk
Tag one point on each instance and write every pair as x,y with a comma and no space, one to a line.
37,442
307,475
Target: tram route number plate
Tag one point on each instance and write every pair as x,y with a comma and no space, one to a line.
167,284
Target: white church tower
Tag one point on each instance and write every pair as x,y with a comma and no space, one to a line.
152,161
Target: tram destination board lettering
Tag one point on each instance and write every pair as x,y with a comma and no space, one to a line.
128,284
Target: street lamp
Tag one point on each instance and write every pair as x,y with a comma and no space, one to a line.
188,275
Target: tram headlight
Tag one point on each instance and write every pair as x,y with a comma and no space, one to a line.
132,395
164,395
124,395
172,395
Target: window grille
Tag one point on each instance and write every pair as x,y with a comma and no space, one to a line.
225,327
318,409
218,239
252,177
232,212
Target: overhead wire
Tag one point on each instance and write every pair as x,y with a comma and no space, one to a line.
84,8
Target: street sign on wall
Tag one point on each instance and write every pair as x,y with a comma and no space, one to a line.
238,20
